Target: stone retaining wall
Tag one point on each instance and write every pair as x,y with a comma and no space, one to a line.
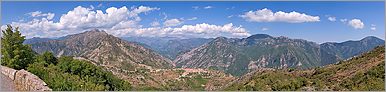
9,72
24,80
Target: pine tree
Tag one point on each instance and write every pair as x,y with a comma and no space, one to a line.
14,53
47,57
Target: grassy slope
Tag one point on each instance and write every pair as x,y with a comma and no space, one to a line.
365,72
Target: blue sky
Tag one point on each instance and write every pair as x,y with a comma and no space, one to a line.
203,19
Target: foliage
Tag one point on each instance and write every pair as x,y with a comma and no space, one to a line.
14,53
374,79
365,73
71,74
273,80
47,57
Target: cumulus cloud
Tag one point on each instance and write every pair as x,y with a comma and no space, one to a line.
332,19
40,14
172,22
373,27
142,9
121,21
193,31
81,19
356,24
266,15
155,23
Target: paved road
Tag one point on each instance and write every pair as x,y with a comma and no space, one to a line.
6,83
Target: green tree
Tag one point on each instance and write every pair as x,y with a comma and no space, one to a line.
48,57
14,53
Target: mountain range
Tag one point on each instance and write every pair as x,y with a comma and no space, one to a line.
169,47
167,63
231,55
240,56
364,72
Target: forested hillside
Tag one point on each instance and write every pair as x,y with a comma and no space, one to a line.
363,73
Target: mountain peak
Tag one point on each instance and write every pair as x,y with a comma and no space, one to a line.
102,48
368,38
220,39
259,36
92,34
95,31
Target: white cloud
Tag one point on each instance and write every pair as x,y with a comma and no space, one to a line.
154,23
266,15
230,8
82,19
208,7
35,13
207,30
121,21
193,18
373,27
356,24
172,22
332,19
142,9
40,14
230,16
193,31
264,29
343,20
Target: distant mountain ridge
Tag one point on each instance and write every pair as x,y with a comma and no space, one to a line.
362,73
238,56
347,49
37,40
169,47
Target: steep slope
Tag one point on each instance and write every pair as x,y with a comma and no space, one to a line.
177,79
220,54
169,47
238,56
105,50
345,50
365,72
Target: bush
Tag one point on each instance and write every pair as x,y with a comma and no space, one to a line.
76,75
